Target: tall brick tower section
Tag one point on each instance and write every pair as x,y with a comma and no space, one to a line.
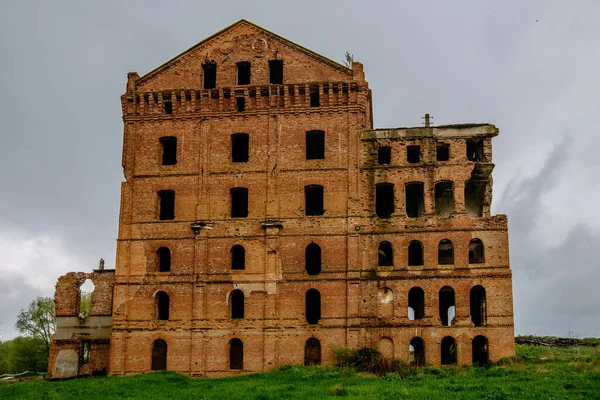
264,222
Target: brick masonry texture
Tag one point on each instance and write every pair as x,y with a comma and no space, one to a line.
362,304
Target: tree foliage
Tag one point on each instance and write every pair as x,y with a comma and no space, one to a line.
38,320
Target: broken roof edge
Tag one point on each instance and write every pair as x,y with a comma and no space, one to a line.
449,131
166,65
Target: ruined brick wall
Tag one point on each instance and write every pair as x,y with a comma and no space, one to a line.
362,303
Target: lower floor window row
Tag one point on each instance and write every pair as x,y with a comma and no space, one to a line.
312,352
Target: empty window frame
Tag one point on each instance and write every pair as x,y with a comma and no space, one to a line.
413,154
384,155
447,305
240,104
415,253
312,257
448,350
416,303
276,72
475,150
209,72
236,354
445,252
236,300
164,259
238,257
166,204
312,352
239,147
415,203
239,202
159,355
313,306
479,350
474,197
315,100
169,150
313,200
384,200
476,255
168,105
315,145
385,255
444,199
442,152
162,306
243,73
478,305
417,351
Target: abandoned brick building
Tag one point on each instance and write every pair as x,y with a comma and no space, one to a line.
265,222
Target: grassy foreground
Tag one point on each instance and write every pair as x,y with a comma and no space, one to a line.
535,373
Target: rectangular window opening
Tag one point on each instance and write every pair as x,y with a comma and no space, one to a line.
384,200
276,72
413,154
313,196
168,107
243,73
475,150
474,197
443,152
169,150
414,200
167,204
239,147
240,104
384,155
315,145
209,70
444,199
239,202
315,101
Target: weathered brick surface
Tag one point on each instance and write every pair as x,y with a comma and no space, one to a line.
362,304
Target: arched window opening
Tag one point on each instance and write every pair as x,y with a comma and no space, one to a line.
385,255
448,351
415,253
312,352
416,303
164,259
476,255
384,200
313,306
236,354
478,306
313,200
447,305
162,306
238,257
159,355
444,199
445,252
85,298
237,304
415,202
312,257
416,349
480,350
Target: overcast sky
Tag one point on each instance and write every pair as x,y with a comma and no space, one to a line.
530,67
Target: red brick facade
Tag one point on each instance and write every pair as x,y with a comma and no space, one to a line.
176,270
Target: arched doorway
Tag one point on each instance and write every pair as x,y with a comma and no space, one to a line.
159,355
312,352
480,350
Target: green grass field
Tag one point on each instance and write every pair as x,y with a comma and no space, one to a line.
535,373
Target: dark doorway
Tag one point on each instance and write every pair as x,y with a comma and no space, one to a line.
162,306
417,350
237,304
445,252
312,352
238,257
415,253
480,350
447,305
159,355
384,200
236,354
478,306
448,351
312,256
164,259
313,306
416,302
385,255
